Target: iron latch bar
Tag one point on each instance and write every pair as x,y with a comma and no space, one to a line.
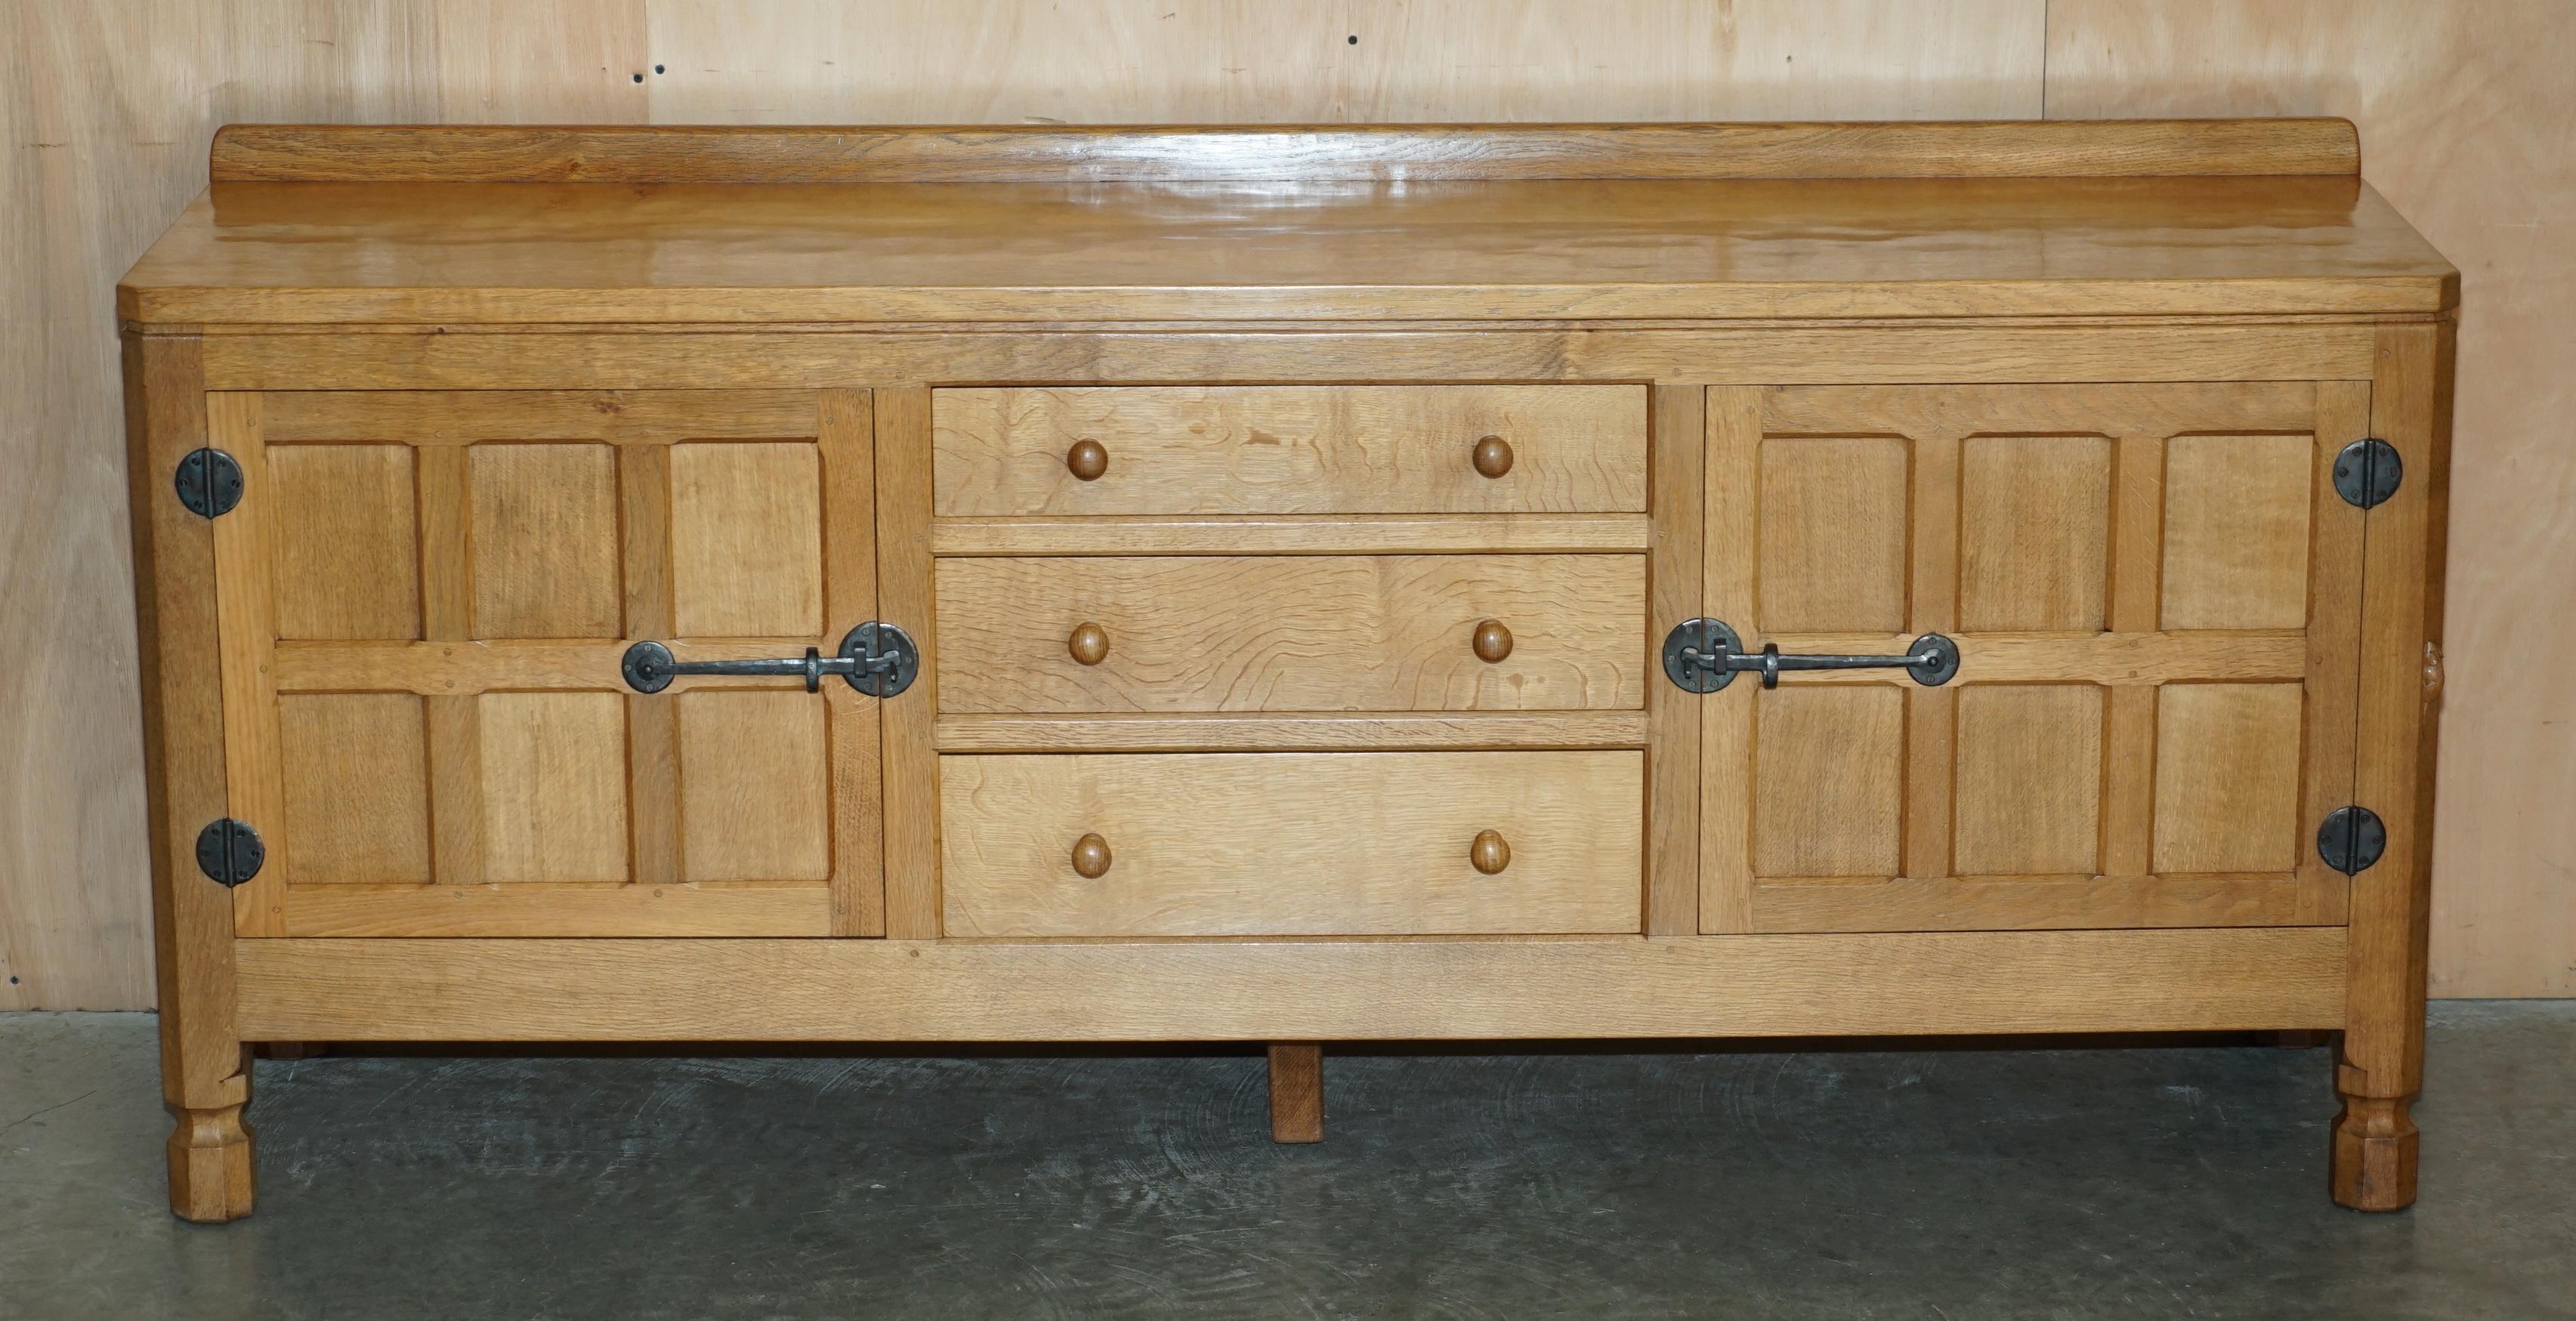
877,659
1704,655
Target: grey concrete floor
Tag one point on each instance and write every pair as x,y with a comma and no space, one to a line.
2163,1180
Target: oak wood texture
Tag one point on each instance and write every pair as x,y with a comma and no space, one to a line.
315,153
1290,633
2127,349
1349,522
2192,531
2380,1065
1355,534
1305,731
1673,567
414,774
1296,1091
904,598
2462,106
1291,450
331,253
205,1067
1291,990
1262,844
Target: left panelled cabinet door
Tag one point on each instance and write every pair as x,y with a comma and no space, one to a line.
423,602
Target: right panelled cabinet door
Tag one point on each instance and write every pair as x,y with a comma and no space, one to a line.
2154,594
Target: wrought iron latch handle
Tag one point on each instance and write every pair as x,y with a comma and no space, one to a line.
877,659
1704,655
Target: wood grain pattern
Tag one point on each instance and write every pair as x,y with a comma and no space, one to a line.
1301,732
2462,106
1765,355
2098,764
356,800
1380,152
205,1069
244,583
346,541
134,91
2381,1063
543,519
573,911
1296,1091
905,598
747,540
1245,634
1290,450
1676,469
1029,252
2034,535
1292,843
2077,902
2029,780
1420,534
1460,989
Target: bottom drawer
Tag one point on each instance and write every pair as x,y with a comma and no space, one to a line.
1328,843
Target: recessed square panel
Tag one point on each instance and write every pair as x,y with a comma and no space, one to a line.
554,786
755,786
2227,777
357,788
1834,528
545,550
2237,510
747,540
2034,533
1828,780
344,529
2029,792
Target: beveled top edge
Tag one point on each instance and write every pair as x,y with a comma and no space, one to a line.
1964,149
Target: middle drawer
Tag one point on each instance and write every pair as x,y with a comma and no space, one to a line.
1044,635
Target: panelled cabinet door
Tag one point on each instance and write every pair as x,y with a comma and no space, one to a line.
423,602
2154,590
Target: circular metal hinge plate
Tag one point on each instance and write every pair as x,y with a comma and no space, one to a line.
873,641
2351,839
229,852
1945,665
647,667
1699,637
209,483
2367,471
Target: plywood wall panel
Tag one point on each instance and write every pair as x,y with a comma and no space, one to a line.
2466,109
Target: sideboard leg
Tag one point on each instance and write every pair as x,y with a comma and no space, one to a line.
1296,1091
205,1069
2375,1141
210,1165
2379,1065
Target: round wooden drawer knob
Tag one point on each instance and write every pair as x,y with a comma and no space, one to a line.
1493,456
1493,642
1088,459
1489,853
1091,857
1088,642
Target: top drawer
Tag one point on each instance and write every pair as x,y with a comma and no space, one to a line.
1291,449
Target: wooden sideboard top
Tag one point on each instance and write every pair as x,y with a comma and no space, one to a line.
460,226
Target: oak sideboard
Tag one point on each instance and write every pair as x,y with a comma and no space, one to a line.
1289,585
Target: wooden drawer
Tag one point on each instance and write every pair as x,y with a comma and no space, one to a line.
1241,844
1291,449
1292,633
